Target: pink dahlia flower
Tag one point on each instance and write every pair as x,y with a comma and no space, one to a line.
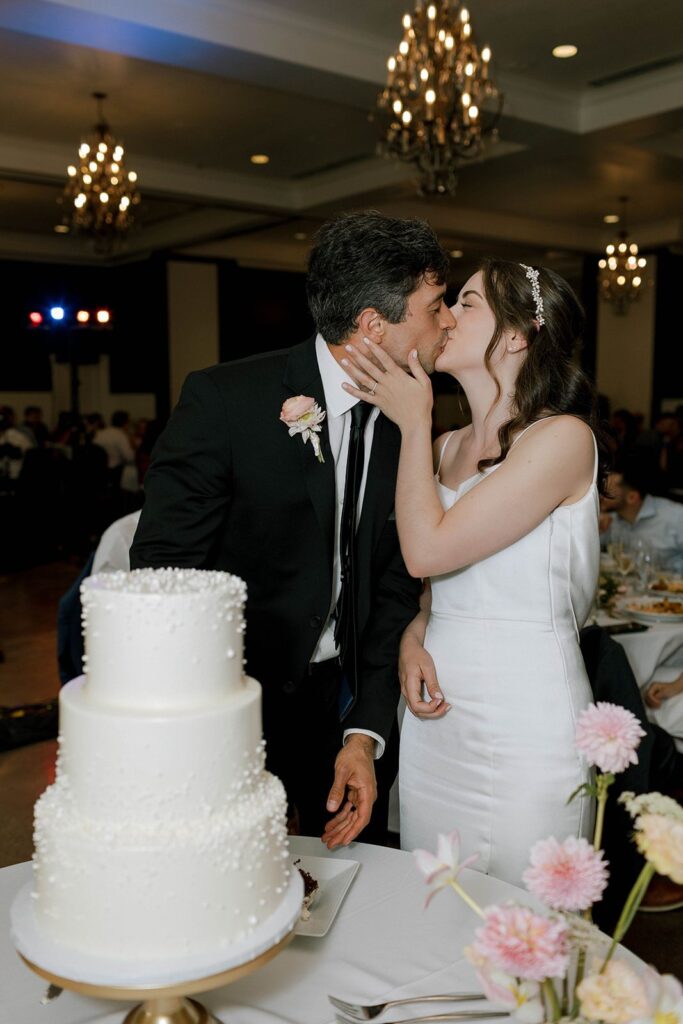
567,876
518,941
608,736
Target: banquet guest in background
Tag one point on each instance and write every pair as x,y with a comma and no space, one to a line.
116,443
507,533
231,488
14,444
631,514
33,426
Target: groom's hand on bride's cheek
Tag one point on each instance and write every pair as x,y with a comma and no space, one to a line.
353,792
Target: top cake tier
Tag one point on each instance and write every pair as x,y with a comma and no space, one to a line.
163,639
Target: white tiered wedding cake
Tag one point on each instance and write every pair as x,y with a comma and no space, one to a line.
162,836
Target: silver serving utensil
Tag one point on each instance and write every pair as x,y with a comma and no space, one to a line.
358,1011
455,1015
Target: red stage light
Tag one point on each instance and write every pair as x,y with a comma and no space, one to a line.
36,319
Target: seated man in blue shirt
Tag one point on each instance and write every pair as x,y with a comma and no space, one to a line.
631,514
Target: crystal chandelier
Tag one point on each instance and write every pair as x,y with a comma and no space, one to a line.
99,193
439,101
621,268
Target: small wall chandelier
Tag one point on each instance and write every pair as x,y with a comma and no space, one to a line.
439,99
99,193
621,268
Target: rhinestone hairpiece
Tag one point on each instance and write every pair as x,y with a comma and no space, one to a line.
532,275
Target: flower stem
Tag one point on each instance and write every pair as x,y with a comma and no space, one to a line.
551,998
630,907
466,897
580,969
603,782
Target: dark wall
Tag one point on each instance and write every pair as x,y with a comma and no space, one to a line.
260,310
667,375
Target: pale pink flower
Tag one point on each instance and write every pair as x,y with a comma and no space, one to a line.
660,839
523,997
567,876
616,996
443,868
302,415
294,408
522,943
608,736
664,997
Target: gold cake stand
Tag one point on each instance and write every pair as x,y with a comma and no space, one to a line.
167,1005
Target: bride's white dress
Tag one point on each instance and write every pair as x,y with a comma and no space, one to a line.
503,633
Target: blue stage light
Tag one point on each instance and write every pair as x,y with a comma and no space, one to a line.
57,312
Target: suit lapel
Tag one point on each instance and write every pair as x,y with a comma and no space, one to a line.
302,377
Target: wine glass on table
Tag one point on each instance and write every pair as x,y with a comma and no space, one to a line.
644,565
624,560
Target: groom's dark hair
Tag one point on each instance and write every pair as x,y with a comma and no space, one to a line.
366,260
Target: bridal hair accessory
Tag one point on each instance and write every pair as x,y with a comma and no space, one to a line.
532,275
302,415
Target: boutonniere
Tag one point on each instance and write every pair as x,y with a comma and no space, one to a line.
302,415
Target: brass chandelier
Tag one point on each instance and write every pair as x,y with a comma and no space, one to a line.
439,101
99,193
621,269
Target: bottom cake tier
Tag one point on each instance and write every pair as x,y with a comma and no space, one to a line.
183,887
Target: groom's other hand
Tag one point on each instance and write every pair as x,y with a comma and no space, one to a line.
353,792
416,671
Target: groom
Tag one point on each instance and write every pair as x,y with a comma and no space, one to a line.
237,483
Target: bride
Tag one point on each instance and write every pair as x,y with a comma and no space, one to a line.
506,535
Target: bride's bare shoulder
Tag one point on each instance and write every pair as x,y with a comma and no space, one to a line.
569,433
452,438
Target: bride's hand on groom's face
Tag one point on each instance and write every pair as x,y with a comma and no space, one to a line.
406,398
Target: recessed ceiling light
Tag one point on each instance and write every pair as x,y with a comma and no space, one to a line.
62,229
300,236
457,253
259,158
565,50
611,218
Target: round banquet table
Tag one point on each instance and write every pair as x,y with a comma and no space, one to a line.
661,646
382,944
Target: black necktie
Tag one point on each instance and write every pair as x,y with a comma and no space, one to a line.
345,628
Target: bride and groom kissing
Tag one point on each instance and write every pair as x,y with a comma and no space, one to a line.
464,569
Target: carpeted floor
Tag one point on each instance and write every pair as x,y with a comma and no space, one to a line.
28,605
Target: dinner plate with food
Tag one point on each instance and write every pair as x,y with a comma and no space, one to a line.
653,609
668,585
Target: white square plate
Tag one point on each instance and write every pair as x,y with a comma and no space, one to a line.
334,878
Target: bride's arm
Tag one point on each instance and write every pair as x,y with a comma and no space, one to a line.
552,464
416,668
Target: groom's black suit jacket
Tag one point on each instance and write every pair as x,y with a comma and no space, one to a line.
229,489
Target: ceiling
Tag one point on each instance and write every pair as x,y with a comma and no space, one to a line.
196,86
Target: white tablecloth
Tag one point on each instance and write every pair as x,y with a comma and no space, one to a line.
382,944
661,645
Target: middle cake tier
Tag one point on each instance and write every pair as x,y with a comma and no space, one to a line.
134,766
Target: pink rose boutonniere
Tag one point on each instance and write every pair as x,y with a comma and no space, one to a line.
302,415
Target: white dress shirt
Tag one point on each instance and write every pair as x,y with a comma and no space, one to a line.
338,405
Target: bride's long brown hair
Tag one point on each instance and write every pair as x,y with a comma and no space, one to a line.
550,381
